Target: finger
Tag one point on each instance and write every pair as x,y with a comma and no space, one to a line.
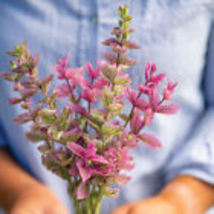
56,209
25,211
123,209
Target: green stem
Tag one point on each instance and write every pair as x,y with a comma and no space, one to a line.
98,204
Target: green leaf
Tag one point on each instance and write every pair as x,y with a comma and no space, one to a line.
124,117
93,124
115,107
48,116
46,82
110,192
35,136
110,129
7,76
61,121
97,116
120,81
54,133
107,97
126,10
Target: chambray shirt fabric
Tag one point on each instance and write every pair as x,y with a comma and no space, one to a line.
177,35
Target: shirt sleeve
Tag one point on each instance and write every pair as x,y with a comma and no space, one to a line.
195,157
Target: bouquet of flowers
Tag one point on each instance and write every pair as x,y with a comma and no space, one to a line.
88,141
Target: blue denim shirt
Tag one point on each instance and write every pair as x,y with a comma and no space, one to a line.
176,34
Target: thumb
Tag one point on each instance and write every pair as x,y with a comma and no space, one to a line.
125,209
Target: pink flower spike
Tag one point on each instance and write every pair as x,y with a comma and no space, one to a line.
150,140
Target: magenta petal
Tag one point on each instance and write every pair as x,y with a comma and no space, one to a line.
85,172
137,121
73,171
167,109
82,191
147,68
76,149
142,104
78,109
99,159
154,98
150,140
131,95
90,70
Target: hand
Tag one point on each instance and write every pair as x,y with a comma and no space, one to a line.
37,199
154,205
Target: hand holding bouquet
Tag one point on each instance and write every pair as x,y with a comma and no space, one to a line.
88,141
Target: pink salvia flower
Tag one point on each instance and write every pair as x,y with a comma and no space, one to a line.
88,143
